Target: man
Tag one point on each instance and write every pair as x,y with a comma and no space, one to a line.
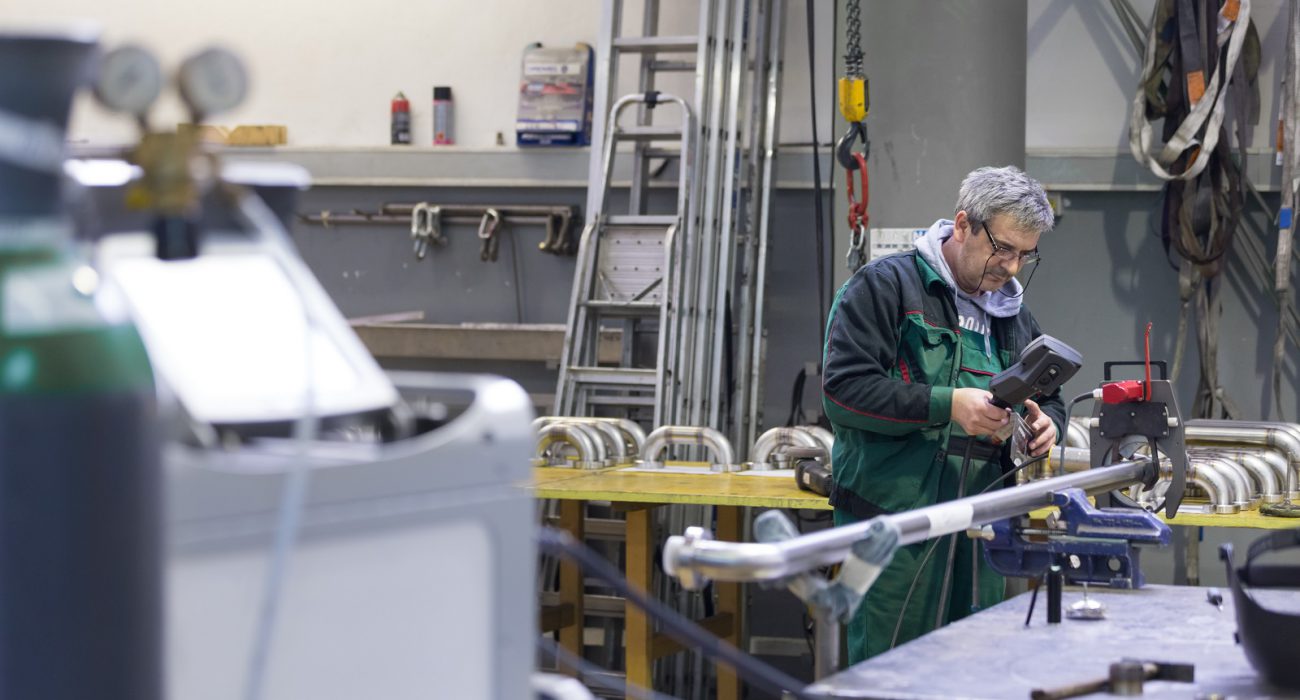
911,343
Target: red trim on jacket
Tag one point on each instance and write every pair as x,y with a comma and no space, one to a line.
870,415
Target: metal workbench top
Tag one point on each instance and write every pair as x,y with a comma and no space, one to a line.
992,655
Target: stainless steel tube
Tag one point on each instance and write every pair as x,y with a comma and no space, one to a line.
1274,461
826,437
772,440
1201,473
660,438
826,644
591,450
1076,435
1062,460
695,556
1240,433
620,445
1269,489
635,434
1242,480
615,445
1278,462
1216,485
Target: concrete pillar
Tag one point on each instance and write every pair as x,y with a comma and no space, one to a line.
947,96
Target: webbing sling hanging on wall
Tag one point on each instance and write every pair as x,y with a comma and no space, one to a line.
1192,54
1290,156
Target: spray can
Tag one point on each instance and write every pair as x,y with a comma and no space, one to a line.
442,116
401,120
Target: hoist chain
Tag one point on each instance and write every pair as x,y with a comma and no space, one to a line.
853,39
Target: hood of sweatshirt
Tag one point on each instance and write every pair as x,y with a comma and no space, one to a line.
994,303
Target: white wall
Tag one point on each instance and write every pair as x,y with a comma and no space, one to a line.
329,69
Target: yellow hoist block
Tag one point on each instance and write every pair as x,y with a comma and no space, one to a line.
853,99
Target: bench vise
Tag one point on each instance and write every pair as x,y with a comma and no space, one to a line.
1092,545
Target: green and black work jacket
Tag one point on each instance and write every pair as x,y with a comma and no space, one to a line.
892,358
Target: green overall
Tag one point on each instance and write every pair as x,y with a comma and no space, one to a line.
894,354
872,627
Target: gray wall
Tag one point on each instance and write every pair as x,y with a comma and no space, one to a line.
370,270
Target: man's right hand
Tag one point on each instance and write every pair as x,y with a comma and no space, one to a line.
974,411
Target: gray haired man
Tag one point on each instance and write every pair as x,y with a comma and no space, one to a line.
911,343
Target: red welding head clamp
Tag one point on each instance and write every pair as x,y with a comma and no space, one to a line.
1126,391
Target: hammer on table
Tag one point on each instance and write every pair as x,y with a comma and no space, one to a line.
1126,679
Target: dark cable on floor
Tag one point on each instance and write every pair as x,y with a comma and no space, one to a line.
673,623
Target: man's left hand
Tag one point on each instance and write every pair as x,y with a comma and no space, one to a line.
1043,428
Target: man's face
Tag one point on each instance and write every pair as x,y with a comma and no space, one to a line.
989,253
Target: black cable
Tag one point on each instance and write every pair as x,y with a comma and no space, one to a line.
796,416
1033,599
674,624
593,674
1013,472
925,558
1069,411
952,539
819,222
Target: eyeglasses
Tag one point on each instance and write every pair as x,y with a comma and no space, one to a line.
1010,254
1028,261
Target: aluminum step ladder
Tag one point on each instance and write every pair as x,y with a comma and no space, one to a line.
707,56
627,272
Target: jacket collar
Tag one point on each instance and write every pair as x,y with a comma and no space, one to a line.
929,277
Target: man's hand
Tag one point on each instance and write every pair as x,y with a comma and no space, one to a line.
974,411
1043,428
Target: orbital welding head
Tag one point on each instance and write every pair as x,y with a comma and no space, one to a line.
1045,365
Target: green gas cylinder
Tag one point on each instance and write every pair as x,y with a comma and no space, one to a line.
80,525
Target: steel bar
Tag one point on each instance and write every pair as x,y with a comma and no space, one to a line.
505,210
692,556
328,219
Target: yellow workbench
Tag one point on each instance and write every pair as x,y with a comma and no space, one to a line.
1246,518
639,493
624,486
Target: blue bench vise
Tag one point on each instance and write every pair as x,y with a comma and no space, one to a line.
1092,545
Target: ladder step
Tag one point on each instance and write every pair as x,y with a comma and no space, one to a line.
614,376
623,308
664,220
656,44
650,152
672,66
621,401
648,133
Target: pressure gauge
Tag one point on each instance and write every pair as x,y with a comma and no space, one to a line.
129,80
212,81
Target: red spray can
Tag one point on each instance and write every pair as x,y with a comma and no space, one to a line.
400,111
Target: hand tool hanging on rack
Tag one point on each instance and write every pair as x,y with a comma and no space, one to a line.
426,228
428,222
488,228
855,103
